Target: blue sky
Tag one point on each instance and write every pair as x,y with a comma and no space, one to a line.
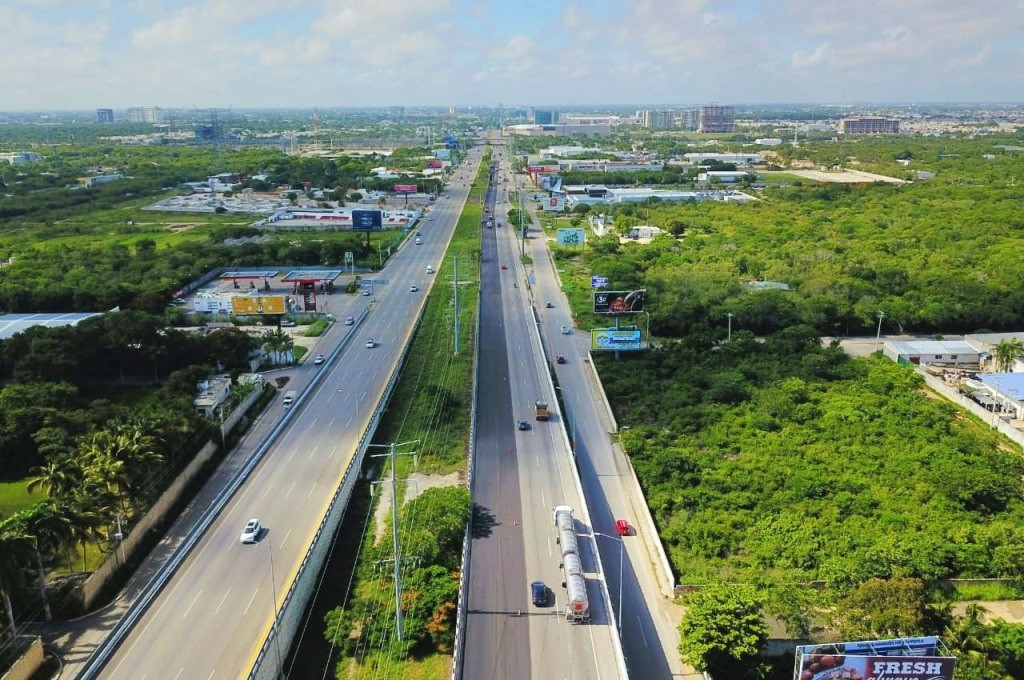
83,54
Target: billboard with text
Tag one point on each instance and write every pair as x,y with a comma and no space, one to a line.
922,658
619,301
556,203
367,220
571,237
405,188
615,339
264,304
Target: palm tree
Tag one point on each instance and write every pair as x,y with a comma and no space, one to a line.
280,343
57,477
15,554
1006,351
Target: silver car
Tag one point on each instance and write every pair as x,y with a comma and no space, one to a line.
251,532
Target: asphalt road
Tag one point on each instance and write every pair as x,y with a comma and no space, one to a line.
214,614
649,621
520,476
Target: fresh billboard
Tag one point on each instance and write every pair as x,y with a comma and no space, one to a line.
367,220
619,301
570,237
922,658
405,188
615,339
264,304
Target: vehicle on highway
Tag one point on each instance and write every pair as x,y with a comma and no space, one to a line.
414,288
370,343
318,360
522,425
504,267
419,241
549,305
289,398
251,532
577,606
349,321
366,292
622,527
539,592
540,410
287,324
559,359
566,330
430,270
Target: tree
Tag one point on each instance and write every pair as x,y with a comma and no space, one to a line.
1006,351
884,608
723,631
59,477
15,554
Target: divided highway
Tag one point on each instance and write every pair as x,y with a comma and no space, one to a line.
217,609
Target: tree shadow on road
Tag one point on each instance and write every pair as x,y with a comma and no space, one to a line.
483,521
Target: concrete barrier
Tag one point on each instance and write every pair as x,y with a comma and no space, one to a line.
26,665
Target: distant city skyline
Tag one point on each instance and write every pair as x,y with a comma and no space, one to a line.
63,55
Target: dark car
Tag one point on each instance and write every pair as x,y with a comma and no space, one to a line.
559,359
522,425
539,593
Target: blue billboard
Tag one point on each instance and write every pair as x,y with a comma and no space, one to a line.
367,220
615,339
571,237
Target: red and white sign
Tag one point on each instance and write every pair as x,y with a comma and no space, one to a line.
405,188
537,169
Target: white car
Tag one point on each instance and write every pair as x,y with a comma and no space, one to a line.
366,292
566,330
318,360
251,532
414,288
349,321
370,343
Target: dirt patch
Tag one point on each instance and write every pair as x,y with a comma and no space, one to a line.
846,176
177,227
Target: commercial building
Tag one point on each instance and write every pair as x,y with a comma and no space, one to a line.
921,352
868,125
104,115
558,130
736,158
145,114
718,119
20,157
541,117
657,119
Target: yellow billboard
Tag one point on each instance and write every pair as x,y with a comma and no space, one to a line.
251,304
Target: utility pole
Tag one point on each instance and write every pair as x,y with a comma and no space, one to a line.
878,334
394,526
455,281
729,338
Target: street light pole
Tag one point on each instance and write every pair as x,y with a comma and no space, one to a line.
359,399
622,545
878,334
729,314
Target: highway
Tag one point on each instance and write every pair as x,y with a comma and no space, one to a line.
649,620
214,614
520,476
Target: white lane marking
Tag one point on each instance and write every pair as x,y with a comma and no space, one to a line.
543,503
222,600
257,591
349,422
283,540
194,600
212,673
311,489
180,671
641,629
330,424
270,487
313,424
290,488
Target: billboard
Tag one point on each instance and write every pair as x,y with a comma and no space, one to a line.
598,281
619,301
554,203
367,220
536,169
571,237
434,163
615,339
898,658
264,304
406,188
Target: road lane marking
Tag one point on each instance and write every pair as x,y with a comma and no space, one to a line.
290,488
257,592
311,489
283,540
194,600
222,600
641,629
180,671
330,424
212,673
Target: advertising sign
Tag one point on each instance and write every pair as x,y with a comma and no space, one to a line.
248,304
598,281
367,220
537,169
554,203
619,302
621,339
892,659
309,301
405,188
434,163
571,237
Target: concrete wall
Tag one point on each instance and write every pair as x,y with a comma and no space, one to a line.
968,404
29,662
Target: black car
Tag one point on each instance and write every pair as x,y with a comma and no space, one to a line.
539,591
523,424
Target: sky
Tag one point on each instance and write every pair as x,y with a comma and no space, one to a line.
85,54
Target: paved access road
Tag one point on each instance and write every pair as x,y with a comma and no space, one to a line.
520,476
649,620
214,614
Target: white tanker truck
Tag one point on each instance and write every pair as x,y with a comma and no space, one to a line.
577,608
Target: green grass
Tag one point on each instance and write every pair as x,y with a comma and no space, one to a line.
986,592
316,329
14,497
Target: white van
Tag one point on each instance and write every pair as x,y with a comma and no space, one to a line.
430,270
289,398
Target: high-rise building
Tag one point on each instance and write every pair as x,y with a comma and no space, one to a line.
869,125
716,118
660,119
145,114
544,117
104,115
688,119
